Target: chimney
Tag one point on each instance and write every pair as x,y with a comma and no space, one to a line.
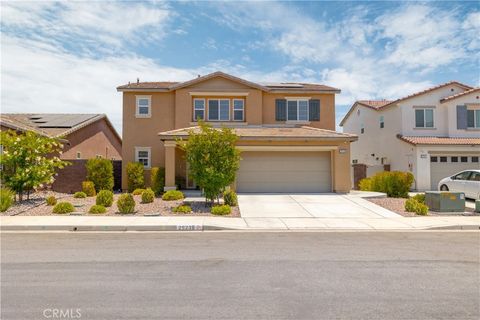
138,81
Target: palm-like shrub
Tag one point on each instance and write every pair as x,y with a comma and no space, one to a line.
79,195
89,188
148,196
104,198
171,195
135,176
63,207
126,203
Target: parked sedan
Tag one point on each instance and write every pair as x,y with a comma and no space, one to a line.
467,181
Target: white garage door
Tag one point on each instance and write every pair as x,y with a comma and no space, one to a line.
442,166
284,172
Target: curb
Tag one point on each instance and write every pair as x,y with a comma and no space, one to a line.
457,227
74,228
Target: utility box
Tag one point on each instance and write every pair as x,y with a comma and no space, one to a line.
444,201
477,206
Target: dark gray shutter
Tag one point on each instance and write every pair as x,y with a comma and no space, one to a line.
462,117
281,110
314,110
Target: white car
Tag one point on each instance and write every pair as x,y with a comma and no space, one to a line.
467,181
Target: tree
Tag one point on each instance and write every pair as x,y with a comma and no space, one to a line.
213,158
29,161
100,172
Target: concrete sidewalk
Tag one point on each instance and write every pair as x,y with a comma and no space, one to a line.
155,223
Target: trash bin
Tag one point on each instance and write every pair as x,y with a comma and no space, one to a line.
445,201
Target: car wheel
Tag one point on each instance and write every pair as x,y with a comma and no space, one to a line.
444,188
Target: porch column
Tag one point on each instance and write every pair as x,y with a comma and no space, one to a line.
170,165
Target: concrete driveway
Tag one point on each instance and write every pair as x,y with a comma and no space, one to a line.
309,206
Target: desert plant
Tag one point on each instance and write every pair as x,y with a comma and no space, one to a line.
126,203
104,198
51,201
182,209
148,196
135,176
157,180
96,208
6,199
230,198
420,197
79,195
412,205
89,188
171,195
365,184
221,210
100,171
138,191
63,207
395,184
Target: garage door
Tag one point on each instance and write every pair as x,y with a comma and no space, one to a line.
284,172
442,166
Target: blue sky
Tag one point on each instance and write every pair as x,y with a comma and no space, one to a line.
70,56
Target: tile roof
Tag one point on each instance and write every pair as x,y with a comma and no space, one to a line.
148,85
461,94
439,140
269,132
375,104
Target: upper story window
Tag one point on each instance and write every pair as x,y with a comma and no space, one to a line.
297,110
424,118
473,118
143,107
143,155
79,155
362,128
382,122
198,109
218,109
238,110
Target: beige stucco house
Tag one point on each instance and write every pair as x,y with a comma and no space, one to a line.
286,131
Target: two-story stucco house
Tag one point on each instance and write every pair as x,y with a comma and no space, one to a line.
434,133
286,131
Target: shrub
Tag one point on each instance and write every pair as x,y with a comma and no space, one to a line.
138,191
394,183
412,205
63,207
104,198
100,172
171,195
148,196
157,180
182,209
51,201
126,203
89,188
365,184
230,198
422,209
420,197
221,210
79,195
135,178
96,208
6,199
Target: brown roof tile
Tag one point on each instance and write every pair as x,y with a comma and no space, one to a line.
375,104
148,85
461,94
440,140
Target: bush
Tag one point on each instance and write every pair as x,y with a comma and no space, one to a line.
51,201
157,180
79,195
63,207
148,196
412,205
420,197
138,191
126,203
104,198
395,184
96,208
135,177
221,210
89,188
100,172
182,209
230,198
6,199
171,195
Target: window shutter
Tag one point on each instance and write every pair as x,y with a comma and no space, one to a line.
314,110
462,117
281,110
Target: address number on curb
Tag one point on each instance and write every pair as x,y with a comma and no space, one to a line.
189,228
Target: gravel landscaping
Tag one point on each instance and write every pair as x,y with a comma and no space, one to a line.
37,206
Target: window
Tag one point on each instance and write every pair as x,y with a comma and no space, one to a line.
463,159
443,159
238,109
474,159
454,159
98,156
79,155
354,161
198,109
433,159
473,118
462,175
297,110
424,118
362,128
143,107
382,122
142,155
219,110
475,176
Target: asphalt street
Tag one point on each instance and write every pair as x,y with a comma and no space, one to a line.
241,275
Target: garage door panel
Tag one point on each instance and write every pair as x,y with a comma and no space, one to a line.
440,170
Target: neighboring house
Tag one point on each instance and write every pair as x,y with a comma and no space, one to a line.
85,136
433,133
286,131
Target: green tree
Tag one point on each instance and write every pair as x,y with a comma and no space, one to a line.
29,161
213,158
100,172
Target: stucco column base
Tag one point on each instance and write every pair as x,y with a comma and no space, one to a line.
170,165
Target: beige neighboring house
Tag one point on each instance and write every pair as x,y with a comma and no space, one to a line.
286,131
434,133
